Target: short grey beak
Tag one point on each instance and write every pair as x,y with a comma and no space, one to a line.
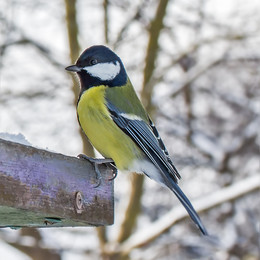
73,68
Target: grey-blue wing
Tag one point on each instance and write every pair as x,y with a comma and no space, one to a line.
147,138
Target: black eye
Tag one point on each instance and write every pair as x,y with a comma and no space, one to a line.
93,62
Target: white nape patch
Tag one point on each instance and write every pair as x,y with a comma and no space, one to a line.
104,71
144,166
131,116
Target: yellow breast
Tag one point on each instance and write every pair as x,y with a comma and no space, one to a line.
102,132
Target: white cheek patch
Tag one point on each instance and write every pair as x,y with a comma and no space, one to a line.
104,71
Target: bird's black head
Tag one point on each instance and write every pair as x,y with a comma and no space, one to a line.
98,65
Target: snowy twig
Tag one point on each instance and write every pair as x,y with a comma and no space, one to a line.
148,234
24,40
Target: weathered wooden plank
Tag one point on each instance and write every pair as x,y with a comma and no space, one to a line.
40,188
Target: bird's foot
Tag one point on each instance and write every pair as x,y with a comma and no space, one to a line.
98,161
95,160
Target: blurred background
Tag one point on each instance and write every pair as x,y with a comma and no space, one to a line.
195,65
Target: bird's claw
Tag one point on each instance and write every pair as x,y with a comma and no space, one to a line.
96,162
114,172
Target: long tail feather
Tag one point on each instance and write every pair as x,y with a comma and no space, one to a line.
186,203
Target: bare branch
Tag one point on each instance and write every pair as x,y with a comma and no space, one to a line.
72,29
135,17
42,49
106,20
133,209
195,75
151,54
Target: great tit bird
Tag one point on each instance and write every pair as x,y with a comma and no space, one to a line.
117,125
